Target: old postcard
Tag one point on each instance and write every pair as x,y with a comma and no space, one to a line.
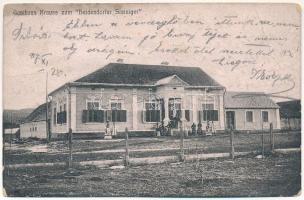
152,100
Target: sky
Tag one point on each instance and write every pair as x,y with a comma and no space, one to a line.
244,47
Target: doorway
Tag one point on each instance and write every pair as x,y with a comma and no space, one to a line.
230,119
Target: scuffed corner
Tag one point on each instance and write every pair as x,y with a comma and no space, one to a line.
3,193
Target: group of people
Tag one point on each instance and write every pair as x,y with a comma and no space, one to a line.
195,129
209,130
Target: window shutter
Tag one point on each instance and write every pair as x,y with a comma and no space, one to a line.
170,114
102,114
58,118
119,115
200,116
209,115
124,116
84,116
90,115
205,115
147,115
153,115
158,115
178,114
99,115
64,117
215,115
114,116
187,115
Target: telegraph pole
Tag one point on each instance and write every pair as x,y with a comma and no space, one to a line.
47,109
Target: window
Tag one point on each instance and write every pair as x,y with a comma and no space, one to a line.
249,116
265,116
175,108
61,116
116,114
209,113
115,106
187,115
152,111
208,106
93,113
93,105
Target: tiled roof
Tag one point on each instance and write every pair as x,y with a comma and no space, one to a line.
119,73
248,100
37,115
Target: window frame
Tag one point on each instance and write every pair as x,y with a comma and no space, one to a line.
157,107
174,103
115,99
268,119
209,100
93,101
252,116
99,108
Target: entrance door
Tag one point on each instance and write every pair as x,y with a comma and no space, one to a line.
230,119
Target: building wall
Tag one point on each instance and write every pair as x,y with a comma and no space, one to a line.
33,129
133,102
257,124
103,95
60,97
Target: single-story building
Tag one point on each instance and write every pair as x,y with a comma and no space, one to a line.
11,133
34,125
142,97
247,111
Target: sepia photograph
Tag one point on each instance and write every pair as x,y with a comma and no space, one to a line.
151,100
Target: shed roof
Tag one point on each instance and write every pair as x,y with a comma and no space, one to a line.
37,115
139,74
248,100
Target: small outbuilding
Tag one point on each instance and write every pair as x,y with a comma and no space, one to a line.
11,133
34,125
247,111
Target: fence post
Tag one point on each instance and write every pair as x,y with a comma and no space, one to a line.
126,161
232,142
271,137
262,144
181,156
70,149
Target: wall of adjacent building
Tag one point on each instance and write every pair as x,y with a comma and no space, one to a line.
257,124
33,129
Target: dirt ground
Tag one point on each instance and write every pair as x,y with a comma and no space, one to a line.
87,150
276,175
